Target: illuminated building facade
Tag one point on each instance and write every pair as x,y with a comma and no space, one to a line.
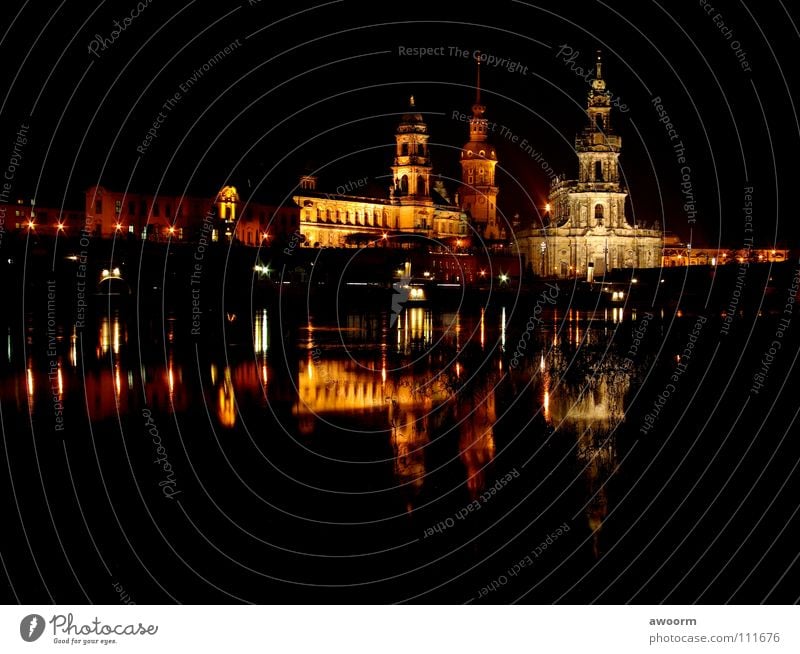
588,232
164,217
414,206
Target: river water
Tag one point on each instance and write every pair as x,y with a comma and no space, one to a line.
502,453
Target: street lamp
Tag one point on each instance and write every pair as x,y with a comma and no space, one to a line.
543,248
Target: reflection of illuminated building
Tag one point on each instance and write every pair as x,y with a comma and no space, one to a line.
346,386
590,406
476,436
110,335
414,329
409,437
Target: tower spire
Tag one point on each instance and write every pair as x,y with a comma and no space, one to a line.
478,109
599,65
478,82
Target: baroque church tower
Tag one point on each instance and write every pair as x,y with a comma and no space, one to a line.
412,164
598,150
588,233
478,186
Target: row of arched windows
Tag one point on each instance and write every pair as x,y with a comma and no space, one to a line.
374,219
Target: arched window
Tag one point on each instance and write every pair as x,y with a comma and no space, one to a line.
319,214
420,186
601,126
404,149
598,171
328,215
598,213
385,218
404,184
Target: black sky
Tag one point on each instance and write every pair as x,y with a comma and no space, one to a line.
323,87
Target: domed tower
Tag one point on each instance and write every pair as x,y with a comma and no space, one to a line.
478,160
412,164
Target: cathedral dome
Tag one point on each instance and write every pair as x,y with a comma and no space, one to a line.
412,120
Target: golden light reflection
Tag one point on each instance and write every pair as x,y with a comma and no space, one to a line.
503,329
261,332
483,330
476,439
226,409
117,382
409,437
116,331
340,385
73,349
414,329
105,338
29,379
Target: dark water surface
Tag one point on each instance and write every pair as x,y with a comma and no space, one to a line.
353,457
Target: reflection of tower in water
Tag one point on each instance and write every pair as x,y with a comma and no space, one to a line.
476,435
585,397
409,428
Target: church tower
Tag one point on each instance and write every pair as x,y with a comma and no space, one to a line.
478,160
598,150
587,233
411,171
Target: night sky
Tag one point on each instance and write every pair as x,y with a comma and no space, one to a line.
322,87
